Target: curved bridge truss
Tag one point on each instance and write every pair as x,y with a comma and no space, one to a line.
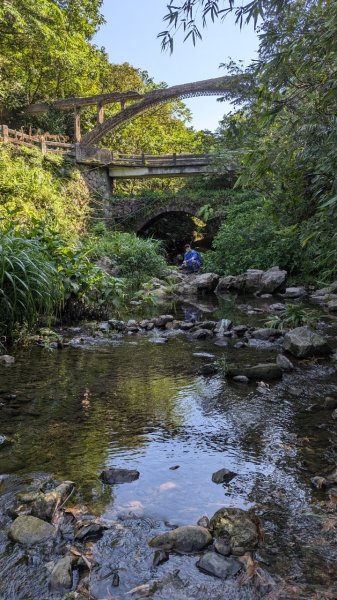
208,87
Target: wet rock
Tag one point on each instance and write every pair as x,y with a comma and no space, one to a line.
221,343
144,323
330,402
278,306
116,325
334,414
240,330
266,333
104,326
222,326
162,320
235,524
115,580
30,530
158,340
295,292
174,467
186,325
267,372
204,522
202,334
189,538
206,282
219,566
284,362
303,342
44,505
160,556
112,475
207,325
209,369
241,379
223,476
254,280
4,441
89,529
6,359
239,345
222,546
332,305
61,575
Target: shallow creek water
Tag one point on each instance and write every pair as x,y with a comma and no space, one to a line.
128,402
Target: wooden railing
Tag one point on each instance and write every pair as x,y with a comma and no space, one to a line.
138,160
46,142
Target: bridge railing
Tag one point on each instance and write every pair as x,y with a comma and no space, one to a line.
138,160
46,142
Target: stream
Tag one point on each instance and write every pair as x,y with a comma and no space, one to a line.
131,402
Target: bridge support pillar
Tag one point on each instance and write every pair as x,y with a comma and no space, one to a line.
100,113
77,125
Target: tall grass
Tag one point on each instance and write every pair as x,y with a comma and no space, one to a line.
29,285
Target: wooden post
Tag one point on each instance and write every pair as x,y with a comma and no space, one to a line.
174,158
100,113
122,104
5,133
43,144
143,158
77,125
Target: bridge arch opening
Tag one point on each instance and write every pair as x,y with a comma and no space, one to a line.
175,228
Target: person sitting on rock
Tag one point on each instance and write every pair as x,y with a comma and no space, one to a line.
192,260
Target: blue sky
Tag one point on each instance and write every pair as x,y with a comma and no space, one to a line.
130,35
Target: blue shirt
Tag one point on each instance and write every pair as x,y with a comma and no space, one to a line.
192,255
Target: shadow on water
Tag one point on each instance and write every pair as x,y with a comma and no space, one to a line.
138,405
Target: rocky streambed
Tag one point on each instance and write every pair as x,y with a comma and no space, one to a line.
146,458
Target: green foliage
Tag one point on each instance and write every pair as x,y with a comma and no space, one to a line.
293,316
247,238
136,258
86,289
49,189
29,286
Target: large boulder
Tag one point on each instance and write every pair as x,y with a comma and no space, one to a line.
189,538
30,530
254,280
295,292
198,284
236,525
265,372
303,342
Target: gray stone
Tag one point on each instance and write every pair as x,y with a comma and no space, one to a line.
209,369
116,325
330,289
334,414
273,279
189,538
222,326
4,441
6,359
266,333
278,306
330,402
241,379
204,522
219,566
160,556
223,476
112,475
88,529
206,282
30,530
158,340
254,280
235,524
303,342
162,320
202,334
207,325
61,575
332,305
284,362
295,292
44,505
266,372
222,546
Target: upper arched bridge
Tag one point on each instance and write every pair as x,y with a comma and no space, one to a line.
139,103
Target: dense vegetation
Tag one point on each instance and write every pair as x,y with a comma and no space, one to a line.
285,135
283,206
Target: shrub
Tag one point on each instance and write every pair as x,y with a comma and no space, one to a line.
248,238
29,284
136,258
